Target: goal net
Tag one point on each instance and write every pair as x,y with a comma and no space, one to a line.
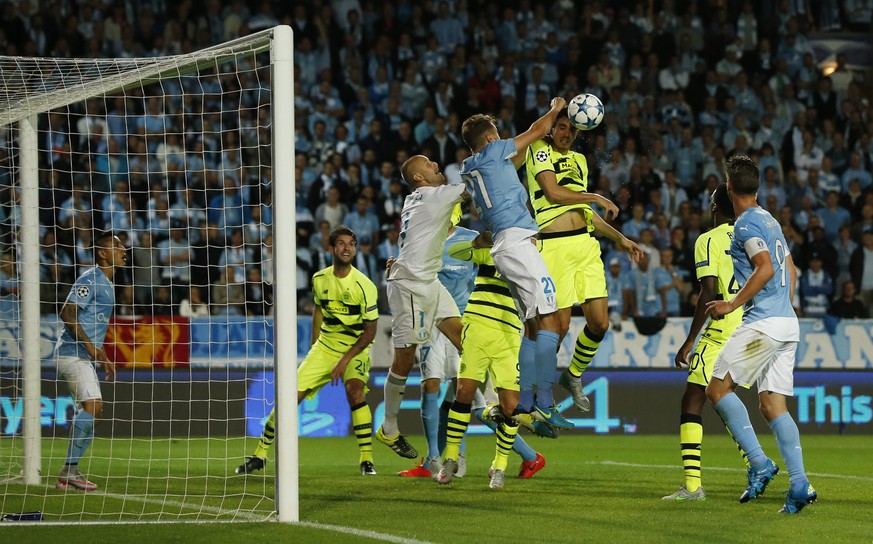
183,158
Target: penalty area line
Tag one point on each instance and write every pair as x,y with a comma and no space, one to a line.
728,469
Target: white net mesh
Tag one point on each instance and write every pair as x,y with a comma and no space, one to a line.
173,156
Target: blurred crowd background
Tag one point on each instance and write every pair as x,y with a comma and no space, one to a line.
686,84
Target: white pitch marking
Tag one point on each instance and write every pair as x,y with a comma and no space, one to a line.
728,469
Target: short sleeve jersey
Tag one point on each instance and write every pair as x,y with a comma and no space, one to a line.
345,304
498,195
712,257
571,172
424,222
95,297
770,311
457,275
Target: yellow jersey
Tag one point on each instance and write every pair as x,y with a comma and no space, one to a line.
712,258
345,304
491,302
571,171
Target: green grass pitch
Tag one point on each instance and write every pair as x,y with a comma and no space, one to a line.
593,488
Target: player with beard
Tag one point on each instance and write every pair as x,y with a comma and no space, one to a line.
343,327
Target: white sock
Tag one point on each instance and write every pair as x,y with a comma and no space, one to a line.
395,386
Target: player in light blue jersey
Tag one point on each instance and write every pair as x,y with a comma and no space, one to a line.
501,201
86,315
763,348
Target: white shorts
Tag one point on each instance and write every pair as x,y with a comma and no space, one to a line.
81,378
750,356
529,280
438,358
417,307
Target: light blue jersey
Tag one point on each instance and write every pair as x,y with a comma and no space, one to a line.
498,195
458,276
770,310
94,295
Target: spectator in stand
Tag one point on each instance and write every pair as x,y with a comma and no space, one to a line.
833,217
363,220
641,292
861,269
332,210
635,225
229,293
856,171
670,284
175,256
847,305
815,289
259,295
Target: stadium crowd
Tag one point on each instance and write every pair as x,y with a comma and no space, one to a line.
686,85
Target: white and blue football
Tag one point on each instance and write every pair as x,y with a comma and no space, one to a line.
585,111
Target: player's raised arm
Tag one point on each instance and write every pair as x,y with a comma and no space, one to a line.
537,130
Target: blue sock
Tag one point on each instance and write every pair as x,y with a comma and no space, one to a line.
443,425
734,413
430,420
546,365
519,446
788,440
83,432
527,373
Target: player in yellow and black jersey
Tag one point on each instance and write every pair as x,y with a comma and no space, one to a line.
715,272
557,179
343,327
491,337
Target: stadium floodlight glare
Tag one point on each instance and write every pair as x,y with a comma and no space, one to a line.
186,158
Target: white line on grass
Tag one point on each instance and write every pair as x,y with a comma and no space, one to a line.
253,517
360,532
728,469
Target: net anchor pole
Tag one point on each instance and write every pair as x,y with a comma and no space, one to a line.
285,293
29,299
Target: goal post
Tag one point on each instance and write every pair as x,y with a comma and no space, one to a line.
221,92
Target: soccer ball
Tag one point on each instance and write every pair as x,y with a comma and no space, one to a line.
585,111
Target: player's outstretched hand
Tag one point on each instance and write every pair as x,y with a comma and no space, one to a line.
717,309
634,252
609,208
558,102
681,359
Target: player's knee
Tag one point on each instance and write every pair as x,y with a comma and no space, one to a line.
598,326
355,392
94,407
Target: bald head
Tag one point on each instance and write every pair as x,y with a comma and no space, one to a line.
418,170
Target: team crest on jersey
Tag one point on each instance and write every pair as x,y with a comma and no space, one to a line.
346,296
83,291
542,155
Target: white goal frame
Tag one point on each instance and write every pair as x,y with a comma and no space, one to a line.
22,108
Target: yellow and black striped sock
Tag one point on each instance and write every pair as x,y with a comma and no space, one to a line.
506,433
267,436
459,419
586,346
362,422
690,437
